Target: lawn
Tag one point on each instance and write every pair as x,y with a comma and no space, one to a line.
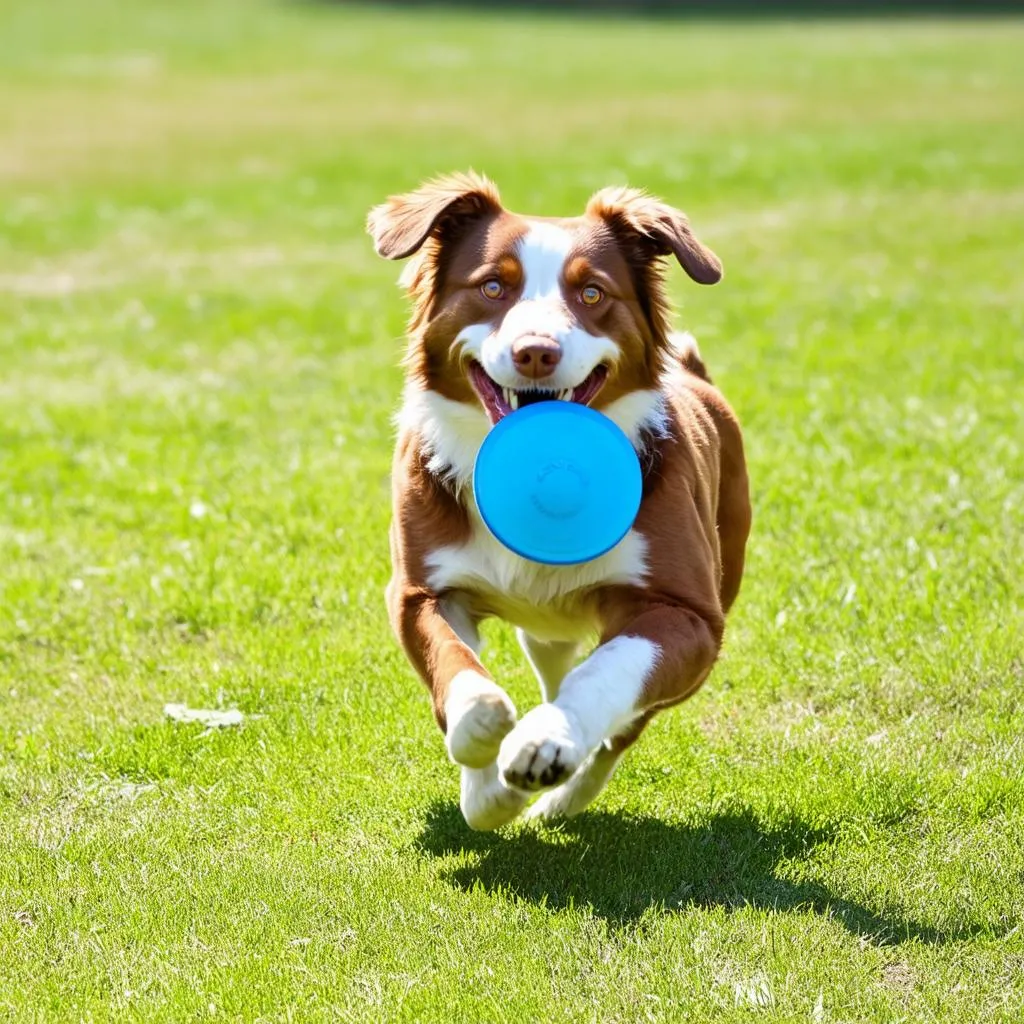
198,368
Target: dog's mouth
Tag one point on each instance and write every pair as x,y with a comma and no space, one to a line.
499,402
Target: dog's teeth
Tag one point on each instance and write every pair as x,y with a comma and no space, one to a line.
566,395
506,394
514,399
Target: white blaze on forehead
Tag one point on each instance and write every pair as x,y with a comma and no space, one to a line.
541,309
543,251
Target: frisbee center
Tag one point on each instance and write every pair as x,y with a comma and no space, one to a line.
560,490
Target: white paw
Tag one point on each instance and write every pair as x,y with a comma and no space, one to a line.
479,716
580,791
486,802
554,805
542,751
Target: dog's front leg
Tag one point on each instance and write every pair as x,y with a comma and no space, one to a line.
475,714
659,656
441,641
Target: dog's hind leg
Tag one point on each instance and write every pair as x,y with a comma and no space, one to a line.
486,802
550,660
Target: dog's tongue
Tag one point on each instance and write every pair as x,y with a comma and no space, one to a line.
489,393
586,391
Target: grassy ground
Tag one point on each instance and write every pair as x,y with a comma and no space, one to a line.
197,368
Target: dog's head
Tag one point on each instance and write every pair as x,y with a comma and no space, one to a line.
510,310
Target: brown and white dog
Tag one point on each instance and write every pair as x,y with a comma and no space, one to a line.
508,310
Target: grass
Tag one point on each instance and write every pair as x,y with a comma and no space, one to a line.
198,365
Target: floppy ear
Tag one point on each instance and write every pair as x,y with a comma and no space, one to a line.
401,225
659,230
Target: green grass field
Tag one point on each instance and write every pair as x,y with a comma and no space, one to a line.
198,366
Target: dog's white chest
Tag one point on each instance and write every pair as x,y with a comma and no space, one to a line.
551,602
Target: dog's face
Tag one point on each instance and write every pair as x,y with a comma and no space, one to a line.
510,310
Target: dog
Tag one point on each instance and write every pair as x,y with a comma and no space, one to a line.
507,310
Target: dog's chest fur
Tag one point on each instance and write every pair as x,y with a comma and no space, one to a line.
550,602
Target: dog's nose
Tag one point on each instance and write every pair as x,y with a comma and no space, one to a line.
536,356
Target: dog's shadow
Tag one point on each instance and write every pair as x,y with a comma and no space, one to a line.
623,866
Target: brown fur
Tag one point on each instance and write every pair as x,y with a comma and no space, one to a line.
695,514
426,516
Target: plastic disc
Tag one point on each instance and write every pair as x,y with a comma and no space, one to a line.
557,482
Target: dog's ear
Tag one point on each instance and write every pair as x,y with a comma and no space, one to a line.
656,229
400,226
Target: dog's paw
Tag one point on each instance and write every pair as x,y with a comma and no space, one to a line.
542,751
580,791
554,806
486,802
479,715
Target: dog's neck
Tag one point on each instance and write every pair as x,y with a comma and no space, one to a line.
449,433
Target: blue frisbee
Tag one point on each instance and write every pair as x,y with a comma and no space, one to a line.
557,482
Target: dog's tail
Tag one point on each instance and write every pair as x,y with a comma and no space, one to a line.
684,347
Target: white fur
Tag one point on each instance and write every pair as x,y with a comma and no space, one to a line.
638,412
486,802
597,700
602,693
451,432
684,344
541,310
582,788
542,751
479,716
542,599
543,251
471,339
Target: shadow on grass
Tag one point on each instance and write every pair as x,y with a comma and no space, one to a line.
622,866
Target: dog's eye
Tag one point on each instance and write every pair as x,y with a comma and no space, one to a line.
492,288
591,295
